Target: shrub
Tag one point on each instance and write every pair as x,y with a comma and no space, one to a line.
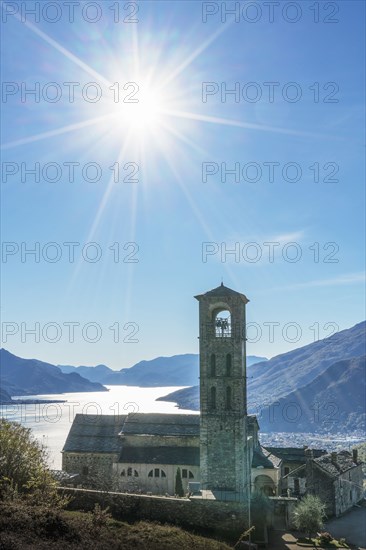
23,467
309,515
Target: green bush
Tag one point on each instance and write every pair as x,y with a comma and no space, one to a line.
24,470
309,515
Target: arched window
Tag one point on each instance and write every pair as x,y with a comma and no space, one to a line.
228,398
213,364
213,397
129,472
156,472
187,474
123,473
228,364
223,324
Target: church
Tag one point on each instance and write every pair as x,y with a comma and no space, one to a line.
216,453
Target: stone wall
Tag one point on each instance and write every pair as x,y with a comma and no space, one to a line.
227,519
219,518
348,490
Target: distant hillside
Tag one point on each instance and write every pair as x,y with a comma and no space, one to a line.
4,396
285,373
178,370
333,375
29,376
94,374
334,401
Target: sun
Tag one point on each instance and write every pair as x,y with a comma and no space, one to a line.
142,113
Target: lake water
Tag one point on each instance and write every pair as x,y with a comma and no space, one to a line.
51,422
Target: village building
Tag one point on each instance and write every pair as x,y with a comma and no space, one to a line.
337,479
217,453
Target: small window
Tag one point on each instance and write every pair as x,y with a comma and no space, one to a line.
123,473
287,470
191,476
135,473
213,397
163,474
228,364
184,474
150,474
228,398
129,472
350,495
156,472
213,365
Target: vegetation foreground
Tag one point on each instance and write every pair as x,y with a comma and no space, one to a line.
40,528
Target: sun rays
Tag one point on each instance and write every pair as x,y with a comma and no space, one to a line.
145,112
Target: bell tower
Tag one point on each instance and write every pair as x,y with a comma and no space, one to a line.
224,456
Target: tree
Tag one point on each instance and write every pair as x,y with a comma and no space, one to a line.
178,484
309,515
23,465
260,506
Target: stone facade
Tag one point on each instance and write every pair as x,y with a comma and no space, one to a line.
337,479
224,450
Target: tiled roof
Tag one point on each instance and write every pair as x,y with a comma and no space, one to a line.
294,454
189,456
343,463
98,434
223,291
262,457
162,424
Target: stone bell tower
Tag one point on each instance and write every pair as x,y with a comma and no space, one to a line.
224,456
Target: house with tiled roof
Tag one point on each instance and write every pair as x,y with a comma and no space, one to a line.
336,478
293,460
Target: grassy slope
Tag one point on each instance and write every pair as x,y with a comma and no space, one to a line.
33,528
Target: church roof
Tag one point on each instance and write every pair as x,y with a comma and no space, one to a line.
161,424
97,434
222,291
189,456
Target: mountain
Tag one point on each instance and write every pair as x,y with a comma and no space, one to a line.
324,367
4,396
178,370
290,371
94,374
333,401
29,376
186,398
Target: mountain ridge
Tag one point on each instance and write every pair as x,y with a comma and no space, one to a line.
19,376
175,370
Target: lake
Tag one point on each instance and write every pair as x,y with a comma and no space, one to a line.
51,422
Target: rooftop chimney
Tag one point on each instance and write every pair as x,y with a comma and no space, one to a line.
334,458
309,454
354,455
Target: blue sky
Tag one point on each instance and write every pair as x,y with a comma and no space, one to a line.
163,219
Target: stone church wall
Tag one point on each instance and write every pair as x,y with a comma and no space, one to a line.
160,484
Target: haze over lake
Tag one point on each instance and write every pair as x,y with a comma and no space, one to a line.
51,422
